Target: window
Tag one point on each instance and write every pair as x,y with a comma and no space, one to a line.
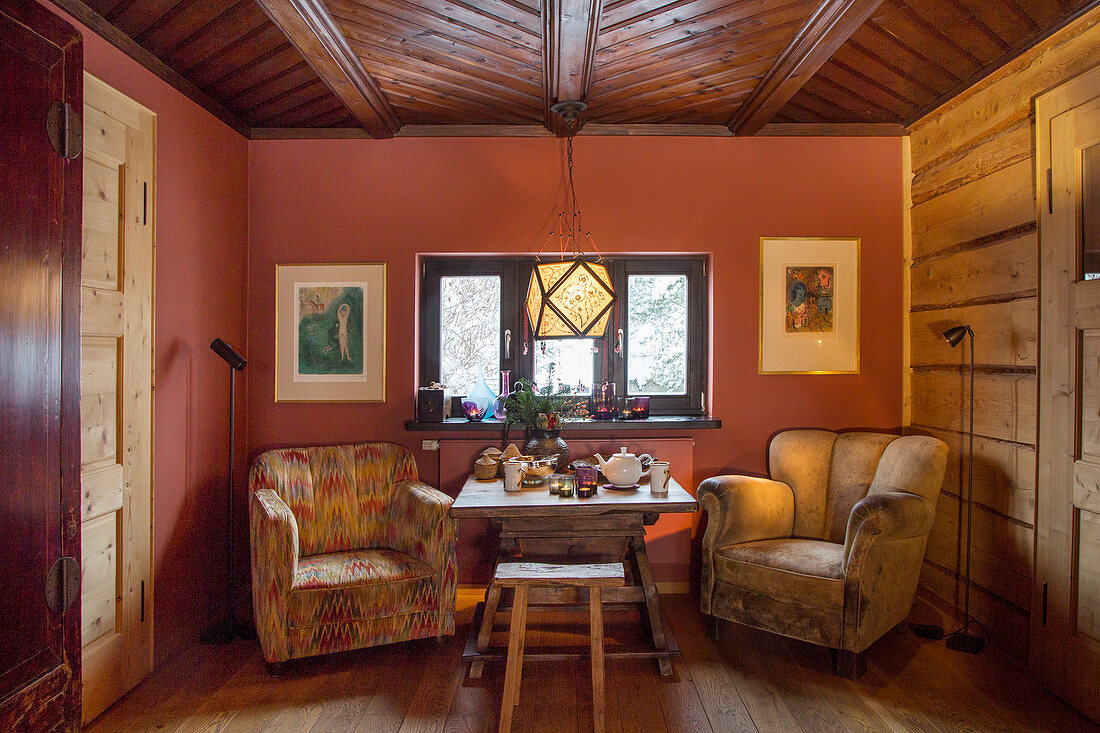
471,315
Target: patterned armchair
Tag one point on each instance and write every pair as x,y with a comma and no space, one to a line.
349,550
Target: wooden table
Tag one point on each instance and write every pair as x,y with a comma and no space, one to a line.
539,526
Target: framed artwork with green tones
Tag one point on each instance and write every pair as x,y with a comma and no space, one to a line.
330,333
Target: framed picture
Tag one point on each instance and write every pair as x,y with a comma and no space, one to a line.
330,333
809,305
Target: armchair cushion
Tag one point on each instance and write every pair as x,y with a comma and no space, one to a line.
344,587
792,586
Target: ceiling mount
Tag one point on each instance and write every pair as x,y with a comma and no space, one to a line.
569,109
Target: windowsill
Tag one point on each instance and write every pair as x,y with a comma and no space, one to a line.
657,422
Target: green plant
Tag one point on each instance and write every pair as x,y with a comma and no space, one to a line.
527,406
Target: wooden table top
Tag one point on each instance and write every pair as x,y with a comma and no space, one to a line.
489,499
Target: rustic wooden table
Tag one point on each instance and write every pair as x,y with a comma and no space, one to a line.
608,527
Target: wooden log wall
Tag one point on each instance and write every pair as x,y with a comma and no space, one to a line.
975,261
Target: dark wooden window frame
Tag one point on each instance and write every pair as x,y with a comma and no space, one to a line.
515,272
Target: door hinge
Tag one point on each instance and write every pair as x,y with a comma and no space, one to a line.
62,584
143,601
1044,604
1050,191
63,130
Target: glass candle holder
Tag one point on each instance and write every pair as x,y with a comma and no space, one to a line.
603,401
554,482
639,408
473,410
586,481
565,486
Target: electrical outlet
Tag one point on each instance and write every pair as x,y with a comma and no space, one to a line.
429,445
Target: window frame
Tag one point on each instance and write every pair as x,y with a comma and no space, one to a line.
515,274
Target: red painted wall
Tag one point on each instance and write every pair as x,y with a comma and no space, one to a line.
201,287
371,201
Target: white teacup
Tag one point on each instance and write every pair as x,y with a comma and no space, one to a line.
658,477
513,471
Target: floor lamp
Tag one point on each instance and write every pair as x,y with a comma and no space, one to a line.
962,640
228,629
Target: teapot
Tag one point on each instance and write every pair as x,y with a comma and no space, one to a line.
624,469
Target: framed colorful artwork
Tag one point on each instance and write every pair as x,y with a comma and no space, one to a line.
330,333
809,305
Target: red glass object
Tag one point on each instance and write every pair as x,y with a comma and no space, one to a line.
604,401
586,481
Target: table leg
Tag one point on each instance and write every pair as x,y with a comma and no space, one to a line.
514,670
652,609
595,623
492,600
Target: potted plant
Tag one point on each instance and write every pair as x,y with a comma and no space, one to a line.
543,414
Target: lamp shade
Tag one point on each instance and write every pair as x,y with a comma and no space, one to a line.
569,299
955,334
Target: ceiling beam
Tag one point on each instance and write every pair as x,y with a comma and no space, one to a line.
826,30
308,25
569,30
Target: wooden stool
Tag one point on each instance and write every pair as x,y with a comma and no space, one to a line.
523,575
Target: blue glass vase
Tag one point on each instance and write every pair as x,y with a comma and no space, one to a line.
482,394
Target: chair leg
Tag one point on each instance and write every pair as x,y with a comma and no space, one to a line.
514,670
595,612
851,665
489,612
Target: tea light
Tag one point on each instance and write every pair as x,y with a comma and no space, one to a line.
555,482
565,486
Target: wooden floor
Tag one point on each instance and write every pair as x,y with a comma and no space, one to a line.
749,681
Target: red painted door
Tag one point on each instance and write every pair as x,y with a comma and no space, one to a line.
40,180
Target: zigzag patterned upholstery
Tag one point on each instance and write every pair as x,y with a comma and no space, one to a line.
349,550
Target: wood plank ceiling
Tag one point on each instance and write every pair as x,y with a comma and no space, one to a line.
378,67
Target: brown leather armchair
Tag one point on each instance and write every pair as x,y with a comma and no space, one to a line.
830,549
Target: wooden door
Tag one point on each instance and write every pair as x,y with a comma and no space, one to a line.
1066,617
40,62
116,407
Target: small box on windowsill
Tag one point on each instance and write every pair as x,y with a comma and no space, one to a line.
429,405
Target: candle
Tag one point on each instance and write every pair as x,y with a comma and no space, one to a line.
555,482
565,486
586,481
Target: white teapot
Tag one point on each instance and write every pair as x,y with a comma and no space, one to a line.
624,469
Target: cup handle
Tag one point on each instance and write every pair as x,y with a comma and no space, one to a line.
647,462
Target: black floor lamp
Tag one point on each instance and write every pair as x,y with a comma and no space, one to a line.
962,640
228,629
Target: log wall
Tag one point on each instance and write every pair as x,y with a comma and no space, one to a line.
975,261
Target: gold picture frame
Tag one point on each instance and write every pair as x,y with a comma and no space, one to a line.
809,305
330,332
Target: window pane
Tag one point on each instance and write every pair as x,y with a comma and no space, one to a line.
469,331
564,365
657,341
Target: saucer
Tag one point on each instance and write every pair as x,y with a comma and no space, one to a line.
613,487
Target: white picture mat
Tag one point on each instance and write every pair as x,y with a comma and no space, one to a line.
801,353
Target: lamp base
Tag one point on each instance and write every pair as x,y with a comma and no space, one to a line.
927,631
968,643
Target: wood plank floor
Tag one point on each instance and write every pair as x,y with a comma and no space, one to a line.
748,681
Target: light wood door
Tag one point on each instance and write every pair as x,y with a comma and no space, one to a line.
116,394
1066,618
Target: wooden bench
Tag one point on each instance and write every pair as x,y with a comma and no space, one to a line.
523,575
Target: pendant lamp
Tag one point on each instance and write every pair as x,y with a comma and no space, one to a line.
571,297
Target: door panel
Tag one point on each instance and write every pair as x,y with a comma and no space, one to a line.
116,395
1066,639
40,61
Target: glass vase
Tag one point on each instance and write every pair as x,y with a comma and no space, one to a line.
482,394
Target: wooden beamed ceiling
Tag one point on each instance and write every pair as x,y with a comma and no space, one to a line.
327,68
